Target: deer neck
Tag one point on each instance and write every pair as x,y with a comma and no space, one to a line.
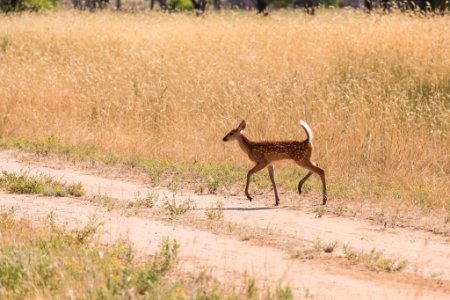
244,143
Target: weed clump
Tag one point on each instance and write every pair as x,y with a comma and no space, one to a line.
215,213
25,184
175,208
373,260
146,202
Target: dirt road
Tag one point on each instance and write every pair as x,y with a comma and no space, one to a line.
260,240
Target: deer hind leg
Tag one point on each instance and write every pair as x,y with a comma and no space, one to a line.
272,178
259,166
313,168
302,181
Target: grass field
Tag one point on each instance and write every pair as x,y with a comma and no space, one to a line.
375,90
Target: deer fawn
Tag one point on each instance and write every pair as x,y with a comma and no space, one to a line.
265,153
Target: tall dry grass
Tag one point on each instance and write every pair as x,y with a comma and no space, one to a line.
374,89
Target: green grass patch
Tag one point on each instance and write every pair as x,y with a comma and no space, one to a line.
148,201
103,200
373,260
174,207
215,213
319,212
25,184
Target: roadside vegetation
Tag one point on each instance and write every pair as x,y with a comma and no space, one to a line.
49,260
26,184
374,260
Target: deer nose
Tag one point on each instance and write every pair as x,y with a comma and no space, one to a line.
225,139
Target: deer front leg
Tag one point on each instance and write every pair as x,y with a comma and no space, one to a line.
272,178
259,166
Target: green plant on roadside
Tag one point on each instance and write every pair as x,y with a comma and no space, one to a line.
75,189
5,43
252,289
317,248
385,219
148,201
284,293
215,213
304,254
175,208
213,184
103,200
340,209
307,294
25,184
329,247
319,211
168,254
373,260
30,5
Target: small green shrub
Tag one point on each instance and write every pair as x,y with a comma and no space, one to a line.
340,209
373,260
304,254
215,213
147,202
37,5
330,3
108,202
5,43
21,184
213,185
174,208
284,293
320,211
30,5
181,5
252,289
25,184
329,248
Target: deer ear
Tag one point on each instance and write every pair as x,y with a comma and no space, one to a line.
242,125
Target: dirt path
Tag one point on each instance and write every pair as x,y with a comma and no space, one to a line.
227,257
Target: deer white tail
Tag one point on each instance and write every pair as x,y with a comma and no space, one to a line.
307,130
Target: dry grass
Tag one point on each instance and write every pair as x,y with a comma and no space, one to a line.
375,90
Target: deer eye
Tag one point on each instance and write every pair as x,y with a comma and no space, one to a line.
231,133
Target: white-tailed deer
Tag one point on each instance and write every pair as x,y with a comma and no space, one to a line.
267,152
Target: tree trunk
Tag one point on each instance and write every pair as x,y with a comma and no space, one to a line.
14,4
309,7
261,6
199,5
